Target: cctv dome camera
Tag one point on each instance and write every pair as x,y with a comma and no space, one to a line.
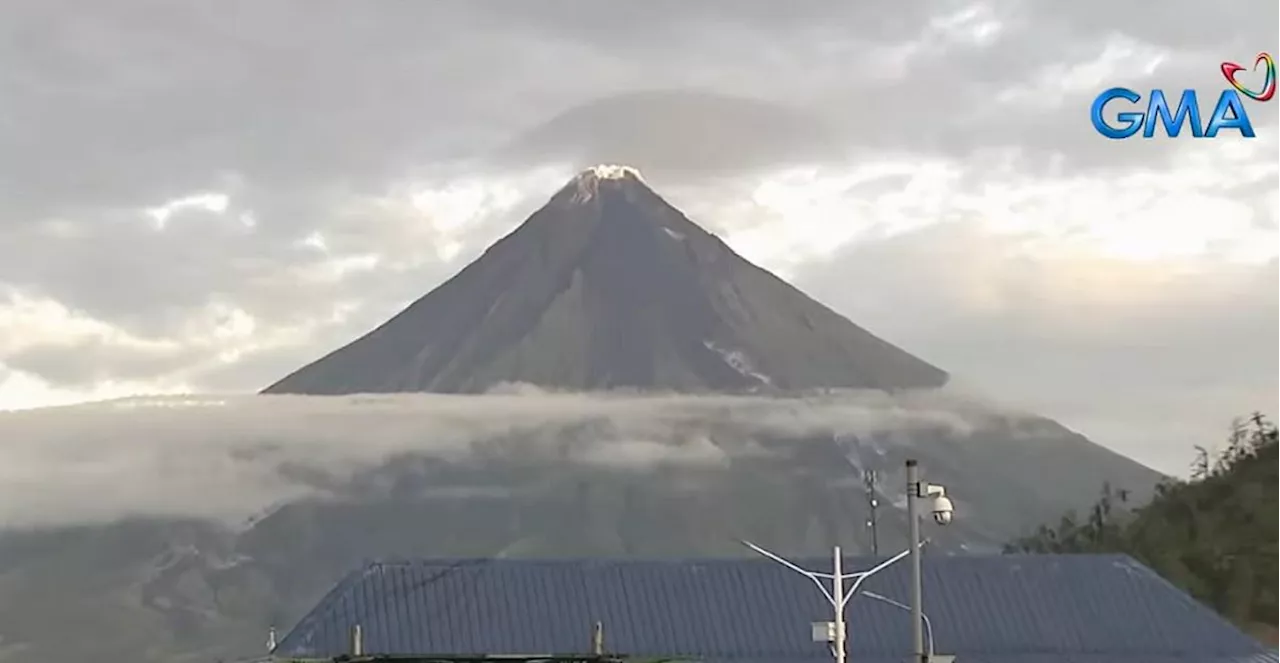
942,510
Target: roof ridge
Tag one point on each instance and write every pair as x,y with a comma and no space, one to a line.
622,560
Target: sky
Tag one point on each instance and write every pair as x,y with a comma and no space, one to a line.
201,197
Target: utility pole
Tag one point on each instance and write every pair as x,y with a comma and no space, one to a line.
837,592
913,525
852,447
943,510
869,479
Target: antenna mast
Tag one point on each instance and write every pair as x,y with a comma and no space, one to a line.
869,479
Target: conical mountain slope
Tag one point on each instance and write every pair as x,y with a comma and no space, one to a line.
609,286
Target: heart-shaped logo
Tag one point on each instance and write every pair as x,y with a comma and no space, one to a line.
1268,90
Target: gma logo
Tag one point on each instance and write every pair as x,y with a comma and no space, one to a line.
1228,113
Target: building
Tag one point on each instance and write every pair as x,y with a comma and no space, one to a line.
991,609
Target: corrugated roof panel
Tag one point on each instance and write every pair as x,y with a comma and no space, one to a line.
996,606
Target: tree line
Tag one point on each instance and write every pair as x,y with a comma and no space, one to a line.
1214,534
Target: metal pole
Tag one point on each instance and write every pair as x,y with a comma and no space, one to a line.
357,641
837,592
839,598
872,503
917,618
928,626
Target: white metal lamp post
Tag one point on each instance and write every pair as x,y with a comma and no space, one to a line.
943,511
833,632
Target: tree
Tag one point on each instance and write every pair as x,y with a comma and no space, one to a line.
1213,535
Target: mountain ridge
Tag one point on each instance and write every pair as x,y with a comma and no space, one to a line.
608,286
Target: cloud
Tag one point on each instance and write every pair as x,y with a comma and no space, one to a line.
321,164
210,287
1148,359
231,457
677,134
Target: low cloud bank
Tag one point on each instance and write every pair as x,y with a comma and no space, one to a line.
231,457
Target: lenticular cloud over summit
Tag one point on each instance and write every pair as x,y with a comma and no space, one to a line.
230,457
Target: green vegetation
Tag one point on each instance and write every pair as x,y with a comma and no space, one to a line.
1213,535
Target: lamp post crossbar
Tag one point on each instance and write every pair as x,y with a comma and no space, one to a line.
836,595
833,632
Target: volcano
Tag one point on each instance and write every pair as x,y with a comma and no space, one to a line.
608,286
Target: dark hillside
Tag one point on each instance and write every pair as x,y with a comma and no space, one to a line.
1213,535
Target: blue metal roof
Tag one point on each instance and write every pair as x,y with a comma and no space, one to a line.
995,609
